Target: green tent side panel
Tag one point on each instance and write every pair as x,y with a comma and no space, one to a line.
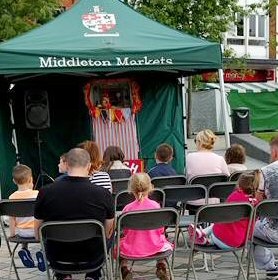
69,125
161,122
263,108
7,150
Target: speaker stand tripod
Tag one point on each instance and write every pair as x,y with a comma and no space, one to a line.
43,176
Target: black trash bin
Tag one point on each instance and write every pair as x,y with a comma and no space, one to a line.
240,120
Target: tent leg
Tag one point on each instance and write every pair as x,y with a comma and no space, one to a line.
224,107
183,92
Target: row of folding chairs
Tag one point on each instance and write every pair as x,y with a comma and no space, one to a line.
165,217
159,182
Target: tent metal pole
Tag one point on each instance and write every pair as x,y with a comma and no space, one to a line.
183,91
224,107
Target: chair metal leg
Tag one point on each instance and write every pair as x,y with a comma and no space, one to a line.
240,266
191,264
170,269
12,254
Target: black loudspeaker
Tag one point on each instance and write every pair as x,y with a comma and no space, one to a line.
36,109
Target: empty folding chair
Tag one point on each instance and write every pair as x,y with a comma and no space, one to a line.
119,185
221,190
160,182
208,179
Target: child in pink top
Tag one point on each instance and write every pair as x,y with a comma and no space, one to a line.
142,243
230,235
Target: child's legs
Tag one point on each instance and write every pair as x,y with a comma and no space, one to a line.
218,242
208,230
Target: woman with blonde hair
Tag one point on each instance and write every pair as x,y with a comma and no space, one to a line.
205,161
97,177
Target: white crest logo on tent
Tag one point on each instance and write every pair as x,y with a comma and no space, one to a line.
99,22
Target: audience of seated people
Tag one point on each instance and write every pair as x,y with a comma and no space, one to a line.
163,157
82,168
113,158
235,157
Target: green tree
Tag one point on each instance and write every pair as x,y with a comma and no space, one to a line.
19,16
208,19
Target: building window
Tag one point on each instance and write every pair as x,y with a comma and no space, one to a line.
256,31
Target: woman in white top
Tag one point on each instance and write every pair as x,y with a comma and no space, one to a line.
205,161
97,177
235,158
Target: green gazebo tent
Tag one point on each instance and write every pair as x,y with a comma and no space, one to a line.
99,39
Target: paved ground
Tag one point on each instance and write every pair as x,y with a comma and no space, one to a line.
225,267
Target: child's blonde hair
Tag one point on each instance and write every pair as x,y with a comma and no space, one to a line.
22,174
249,182
140,185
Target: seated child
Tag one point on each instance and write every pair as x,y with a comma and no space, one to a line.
230,235
62,166
136,243
163,158
235,158
24,226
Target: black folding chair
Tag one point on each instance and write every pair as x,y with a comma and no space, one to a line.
208,179
116,174
221,213
180,195
265,209
147,220
221,190
125,197
16,208
62,234
205,180
160,182
119,185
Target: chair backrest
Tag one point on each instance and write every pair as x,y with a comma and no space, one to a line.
125,197
70,232
221,190
184,193
160,182
208,179
148,219
267,208
119,185
224,212
119,173
17,207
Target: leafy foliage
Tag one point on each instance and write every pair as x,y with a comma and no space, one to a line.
203,18
19,16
